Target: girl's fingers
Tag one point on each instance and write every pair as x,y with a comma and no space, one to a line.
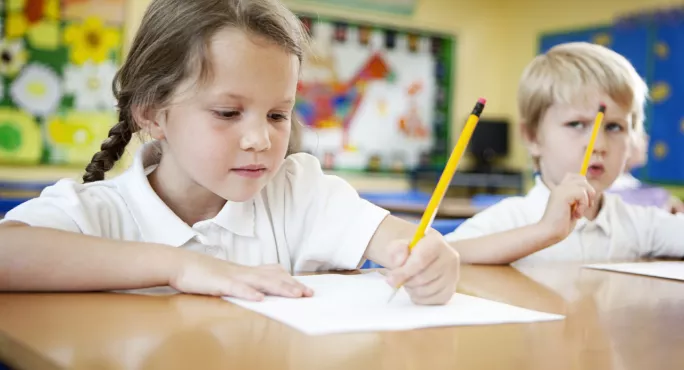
426,292
278,283
422,256
240,290
427,276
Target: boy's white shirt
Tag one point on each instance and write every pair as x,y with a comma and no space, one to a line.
303,219
620,232
625,181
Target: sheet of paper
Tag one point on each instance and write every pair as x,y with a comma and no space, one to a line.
358,303
662,269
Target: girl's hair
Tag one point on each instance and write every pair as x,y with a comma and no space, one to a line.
171,46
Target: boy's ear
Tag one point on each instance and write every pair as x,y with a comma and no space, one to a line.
151,121
530,139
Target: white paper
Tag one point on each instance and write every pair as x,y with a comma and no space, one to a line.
663,269
358,303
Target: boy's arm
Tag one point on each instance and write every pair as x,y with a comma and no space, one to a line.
505,247
502,234
660,231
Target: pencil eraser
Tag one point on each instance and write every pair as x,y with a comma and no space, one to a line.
482,101
602,107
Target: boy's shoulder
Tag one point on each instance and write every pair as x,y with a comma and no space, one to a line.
514,208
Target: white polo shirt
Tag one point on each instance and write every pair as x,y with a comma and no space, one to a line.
620,232
303,219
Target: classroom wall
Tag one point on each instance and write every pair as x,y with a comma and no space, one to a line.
525,20
495,40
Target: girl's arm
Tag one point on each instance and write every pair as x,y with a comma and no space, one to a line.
44,259
37,258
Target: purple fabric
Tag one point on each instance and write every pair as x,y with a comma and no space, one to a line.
644,196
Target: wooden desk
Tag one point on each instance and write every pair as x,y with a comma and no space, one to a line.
449,208
614,321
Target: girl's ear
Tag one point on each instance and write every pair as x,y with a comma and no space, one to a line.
151,121
530,136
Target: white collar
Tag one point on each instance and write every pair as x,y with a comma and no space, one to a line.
540,193
157,222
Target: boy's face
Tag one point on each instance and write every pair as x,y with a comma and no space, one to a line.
564,133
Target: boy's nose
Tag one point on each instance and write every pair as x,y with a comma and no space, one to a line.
600,143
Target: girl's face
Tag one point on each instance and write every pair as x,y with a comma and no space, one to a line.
230,135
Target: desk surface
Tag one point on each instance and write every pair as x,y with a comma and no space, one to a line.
613,321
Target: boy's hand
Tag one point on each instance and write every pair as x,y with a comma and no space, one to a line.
200,274
429,273
567,203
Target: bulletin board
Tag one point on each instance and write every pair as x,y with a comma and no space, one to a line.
57,63
654,43
402,7
375,98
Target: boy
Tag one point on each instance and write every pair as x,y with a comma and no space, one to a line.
567,217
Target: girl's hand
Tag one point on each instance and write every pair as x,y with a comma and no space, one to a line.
200,274
429,273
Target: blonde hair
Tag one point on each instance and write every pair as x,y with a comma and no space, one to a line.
171,47
559,75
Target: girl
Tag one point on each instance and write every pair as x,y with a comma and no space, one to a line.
210,205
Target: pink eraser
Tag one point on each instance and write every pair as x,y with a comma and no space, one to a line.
482,101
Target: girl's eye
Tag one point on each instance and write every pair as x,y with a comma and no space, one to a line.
277,117
226,114
614,127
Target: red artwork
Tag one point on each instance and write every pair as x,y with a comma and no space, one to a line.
330,105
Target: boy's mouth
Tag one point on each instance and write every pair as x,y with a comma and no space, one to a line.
595,170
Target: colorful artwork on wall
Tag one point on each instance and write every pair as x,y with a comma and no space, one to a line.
57,63
375,98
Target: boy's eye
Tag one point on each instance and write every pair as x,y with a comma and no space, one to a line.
614,127
226,114
575,124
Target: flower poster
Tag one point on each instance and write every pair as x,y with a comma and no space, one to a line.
57,63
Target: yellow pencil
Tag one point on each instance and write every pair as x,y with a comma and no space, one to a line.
590,146
594,134
447,175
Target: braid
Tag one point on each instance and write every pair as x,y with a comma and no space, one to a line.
111,150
